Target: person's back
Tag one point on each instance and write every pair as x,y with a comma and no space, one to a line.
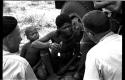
112,64
16,67
108,57
31,54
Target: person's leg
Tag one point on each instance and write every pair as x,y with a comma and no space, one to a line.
81,68
46,60
41,72
55,60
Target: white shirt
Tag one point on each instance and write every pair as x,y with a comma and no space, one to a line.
16,68
104,60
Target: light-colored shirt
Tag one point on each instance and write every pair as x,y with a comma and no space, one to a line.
16,68
104,60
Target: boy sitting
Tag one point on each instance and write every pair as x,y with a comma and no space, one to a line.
32,54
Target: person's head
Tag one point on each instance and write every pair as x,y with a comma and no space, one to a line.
32,33
76,22
64,26
75,17
95,23
11,34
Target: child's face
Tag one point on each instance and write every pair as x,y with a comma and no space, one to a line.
33,35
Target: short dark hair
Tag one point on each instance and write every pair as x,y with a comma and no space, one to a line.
9,24
29,29
61,19
96,21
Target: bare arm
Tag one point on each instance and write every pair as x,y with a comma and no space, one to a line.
110,5
43,42
116,7
102,4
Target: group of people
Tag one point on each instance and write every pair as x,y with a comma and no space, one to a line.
59,53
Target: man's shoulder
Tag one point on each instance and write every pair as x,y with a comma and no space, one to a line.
52,34
95,52
16,59
107,46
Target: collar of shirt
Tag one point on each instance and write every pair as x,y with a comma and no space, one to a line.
8,53
110,33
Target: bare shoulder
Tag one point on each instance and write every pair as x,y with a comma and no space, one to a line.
26,44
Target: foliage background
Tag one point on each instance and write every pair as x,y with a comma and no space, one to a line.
40,14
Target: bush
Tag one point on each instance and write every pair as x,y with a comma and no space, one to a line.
28,20
8,10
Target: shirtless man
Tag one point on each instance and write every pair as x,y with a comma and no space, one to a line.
65,42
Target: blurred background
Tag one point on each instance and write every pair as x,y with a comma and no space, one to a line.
40,14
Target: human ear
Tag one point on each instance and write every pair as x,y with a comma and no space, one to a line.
91,34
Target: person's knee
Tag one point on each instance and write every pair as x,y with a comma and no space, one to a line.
41,72
44,52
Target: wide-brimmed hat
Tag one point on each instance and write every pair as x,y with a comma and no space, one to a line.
9,24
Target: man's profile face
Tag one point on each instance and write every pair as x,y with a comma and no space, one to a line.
14,40
89,33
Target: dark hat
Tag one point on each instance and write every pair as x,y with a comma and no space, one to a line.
96,21
61,19
9,24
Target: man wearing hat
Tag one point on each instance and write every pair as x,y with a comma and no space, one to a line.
14,66
104,60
